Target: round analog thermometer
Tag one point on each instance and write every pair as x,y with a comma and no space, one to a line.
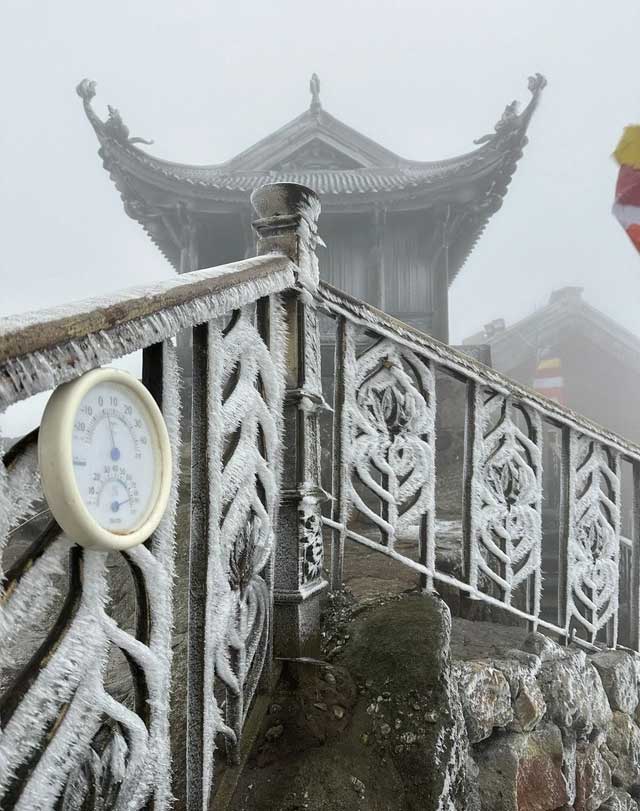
105,460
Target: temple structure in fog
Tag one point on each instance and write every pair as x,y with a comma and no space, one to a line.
592,362
398,230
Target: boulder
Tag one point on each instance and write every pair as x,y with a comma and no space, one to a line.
573,691
398,739
486,698
522,772
527,701
593,778
541,646
623,742
529,708
617,671
400,652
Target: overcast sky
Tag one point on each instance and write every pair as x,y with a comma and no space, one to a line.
207,79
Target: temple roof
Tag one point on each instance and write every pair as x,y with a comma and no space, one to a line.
350,172
318,150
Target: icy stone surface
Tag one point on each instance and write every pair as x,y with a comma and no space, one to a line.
618,672
593,778
573,692
522,772
619,801
485,696
623,742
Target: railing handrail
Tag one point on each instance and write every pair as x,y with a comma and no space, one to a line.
40,329
460,364
183,302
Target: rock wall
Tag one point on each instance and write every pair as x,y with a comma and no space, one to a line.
552,728
413,711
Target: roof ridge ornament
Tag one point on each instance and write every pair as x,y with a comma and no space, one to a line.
314,87
114,127
511,120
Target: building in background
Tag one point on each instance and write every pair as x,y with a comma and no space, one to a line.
574,353
398,230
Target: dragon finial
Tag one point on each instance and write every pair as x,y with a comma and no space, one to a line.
114,127
511,119
314,87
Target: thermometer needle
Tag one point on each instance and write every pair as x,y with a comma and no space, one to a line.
115,453
115,505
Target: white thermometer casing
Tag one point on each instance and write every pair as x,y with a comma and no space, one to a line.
105,460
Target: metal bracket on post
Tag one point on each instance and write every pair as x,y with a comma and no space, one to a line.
288,215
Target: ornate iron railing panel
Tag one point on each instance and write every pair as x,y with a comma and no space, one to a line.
85,636
505,496
65,736
593,493
385,467
238,400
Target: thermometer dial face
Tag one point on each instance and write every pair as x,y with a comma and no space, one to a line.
115,457
105,460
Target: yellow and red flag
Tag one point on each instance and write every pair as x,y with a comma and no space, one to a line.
548,379
626,208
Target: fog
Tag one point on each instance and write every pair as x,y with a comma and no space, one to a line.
206,80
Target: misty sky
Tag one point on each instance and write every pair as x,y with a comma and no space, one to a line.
206,80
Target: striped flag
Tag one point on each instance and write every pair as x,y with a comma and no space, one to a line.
548,378
626,208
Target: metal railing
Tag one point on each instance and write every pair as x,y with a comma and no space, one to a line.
87,638
385,474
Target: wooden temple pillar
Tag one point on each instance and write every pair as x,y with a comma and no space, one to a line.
288,224
439,266
377,257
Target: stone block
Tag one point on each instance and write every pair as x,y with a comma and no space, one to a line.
593,778
617,670
573,692
522,772
623,742
527,701
485,696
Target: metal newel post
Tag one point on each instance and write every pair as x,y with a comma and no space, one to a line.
288,215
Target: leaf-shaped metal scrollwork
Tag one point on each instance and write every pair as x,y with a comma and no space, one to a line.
244,415
392,414
66,741
593,537
506,494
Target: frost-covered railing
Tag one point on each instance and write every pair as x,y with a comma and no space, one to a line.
384,476
123,674
87,640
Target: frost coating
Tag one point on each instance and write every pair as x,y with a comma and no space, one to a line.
392,416
244,418
98,746
32,373
506,497
594,536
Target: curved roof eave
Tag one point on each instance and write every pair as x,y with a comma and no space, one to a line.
398,174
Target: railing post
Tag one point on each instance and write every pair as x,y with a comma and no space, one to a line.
288,215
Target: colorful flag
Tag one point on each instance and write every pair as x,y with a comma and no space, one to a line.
626,208
548,378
